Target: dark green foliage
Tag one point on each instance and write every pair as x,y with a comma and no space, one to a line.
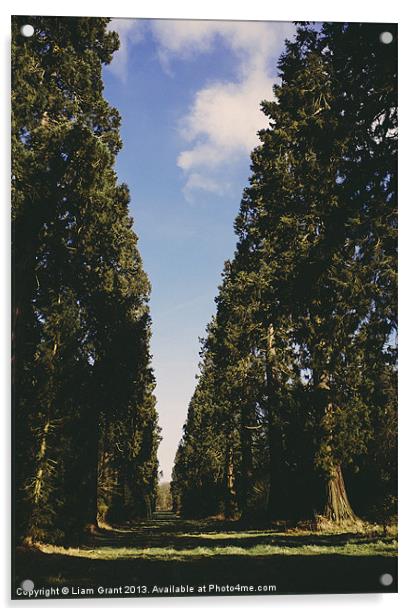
199,464
302,357
81,326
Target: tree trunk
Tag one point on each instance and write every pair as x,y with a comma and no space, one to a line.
276,498
91,522
338,508
247,425
230,492
81,476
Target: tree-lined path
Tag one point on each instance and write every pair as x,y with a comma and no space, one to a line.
169,551
285,479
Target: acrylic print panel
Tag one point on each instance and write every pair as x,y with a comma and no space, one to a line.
258,168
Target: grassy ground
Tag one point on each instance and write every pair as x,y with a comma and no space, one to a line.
153,558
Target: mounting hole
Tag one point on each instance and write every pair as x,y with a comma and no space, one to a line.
386,37
27,585
27,30
386,579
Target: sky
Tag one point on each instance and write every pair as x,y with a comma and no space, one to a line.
189,95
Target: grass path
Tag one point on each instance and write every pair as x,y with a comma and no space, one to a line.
168,551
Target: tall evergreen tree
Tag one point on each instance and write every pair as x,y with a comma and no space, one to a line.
81,324
313,285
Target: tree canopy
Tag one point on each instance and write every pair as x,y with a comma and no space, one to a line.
85,424
297,391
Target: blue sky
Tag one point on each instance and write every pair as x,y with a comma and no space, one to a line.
189,94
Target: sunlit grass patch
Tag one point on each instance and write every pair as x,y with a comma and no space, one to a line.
374,548
232,534
366,532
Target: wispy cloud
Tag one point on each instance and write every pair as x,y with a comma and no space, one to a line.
224,117
196,181
130,31
222,121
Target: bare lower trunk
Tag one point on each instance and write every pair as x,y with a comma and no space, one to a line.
277,490
246,483
277,496
338,508
91,521
230,492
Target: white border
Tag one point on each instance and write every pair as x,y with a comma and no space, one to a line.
300,10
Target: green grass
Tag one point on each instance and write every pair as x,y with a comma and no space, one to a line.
366,533
218,552
350,548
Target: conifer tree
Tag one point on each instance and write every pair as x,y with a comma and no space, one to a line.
200,475
310,296
81,324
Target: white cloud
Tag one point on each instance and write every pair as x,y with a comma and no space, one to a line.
197,181
250,40
130,31
225,116
223,121
183,36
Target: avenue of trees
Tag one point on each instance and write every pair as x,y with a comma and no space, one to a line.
84,421
294,415
164,500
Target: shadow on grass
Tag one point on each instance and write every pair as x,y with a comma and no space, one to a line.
296,574
186,540
291,572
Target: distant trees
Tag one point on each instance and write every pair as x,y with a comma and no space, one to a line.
85,425
164,497
298,374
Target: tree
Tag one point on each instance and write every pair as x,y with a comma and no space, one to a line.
200,476
309,298
81,324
